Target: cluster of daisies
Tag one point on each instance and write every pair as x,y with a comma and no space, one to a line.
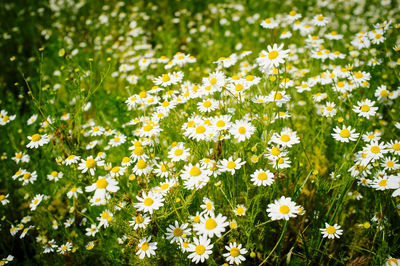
138,170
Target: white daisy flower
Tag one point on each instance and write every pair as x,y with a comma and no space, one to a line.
283,208
211,225
331,231
149,202
37,140
146,248
235,253
200,250
262,177
345,134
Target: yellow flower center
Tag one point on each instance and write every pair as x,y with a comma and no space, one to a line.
2,197
138,151
71,157
330,230
278,96
200,249
384,93
239,87
36,137
18,156
320,18
234,252
73,189
390,163
209,206
213,81
284,209
177,232
117,139
207,104
148,201
196,219
267,20
329,108
141,164
148,128
344,133
195,171
240,211
165,186
200,129
115,169
165,78
375,149
242,130
231,165
139,219
262,176
90,163
220,123
285,138
145,246
382,183
249,78
396,146
211,224
101,183
54,174
365,108
359,75
27,175
272,55
126,159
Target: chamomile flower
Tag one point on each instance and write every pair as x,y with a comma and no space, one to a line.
179,153
208,105
105,218
90,164
195,176
262,178
235,253
283,208
230,165
37,140
3,199
242,130
345,134
211,225
273,57
149,202
21,157
64,248
140,221
36,201
200,249
101,187
141,168
269,23
287,138
331,231
390,164
72,159
240,210
146,248
176,233
92,230
74,192
207,206
365,108
319,20
55,176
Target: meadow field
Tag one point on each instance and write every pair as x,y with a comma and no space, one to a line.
200,132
